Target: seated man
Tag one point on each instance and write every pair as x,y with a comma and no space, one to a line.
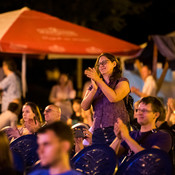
54,143
9,117
52,113
148,111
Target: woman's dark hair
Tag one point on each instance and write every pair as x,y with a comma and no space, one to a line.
35,110
6,160
117,71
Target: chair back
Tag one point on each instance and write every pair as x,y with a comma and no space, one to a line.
150,161
95,159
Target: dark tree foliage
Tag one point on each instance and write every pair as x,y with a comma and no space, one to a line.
132,20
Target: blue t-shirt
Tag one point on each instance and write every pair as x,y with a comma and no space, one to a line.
159,138
46,172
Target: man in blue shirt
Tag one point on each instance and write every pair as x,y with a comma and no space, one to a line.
147,113
54,143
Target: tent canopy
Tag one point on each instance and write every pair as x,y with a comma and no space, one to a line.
29,31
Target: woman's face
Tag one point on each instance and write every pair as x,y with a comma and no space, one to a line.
106,66
63,79
27,113
76,107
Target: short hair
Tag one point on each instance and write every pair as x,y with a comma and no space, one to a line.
156,106
148,66
61,130
13,107
10,63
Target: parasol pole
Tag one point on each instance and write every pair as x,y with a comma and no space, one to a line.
23,75
79,77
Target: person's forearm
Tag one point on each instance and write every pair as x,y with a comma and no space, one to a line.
108,92
111,94
115,145
53,99
87,101
140,94
134,146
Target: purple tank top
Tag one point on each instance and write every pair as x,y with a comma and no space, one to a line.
105,112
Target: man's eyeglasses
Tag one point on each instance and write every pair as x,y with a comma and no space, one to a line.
103,63
47,110
143,110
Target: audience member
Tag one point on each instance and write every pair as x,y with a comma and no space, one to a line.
82,141
148,111
10,85
32,117
54,143
170,116
77,115
32,121
9,117
52,113
106,94
62,94
6,159
150,87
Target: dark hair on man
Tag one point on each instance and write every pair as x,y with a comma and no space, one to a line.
13,107
11,64
148,66
61,130
117,72
156,106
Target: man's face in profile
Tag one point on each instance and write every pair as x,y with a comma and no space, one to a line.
49,148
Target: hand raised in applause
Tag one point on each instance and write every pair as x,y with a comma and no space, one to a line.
171,104
122,129
92,74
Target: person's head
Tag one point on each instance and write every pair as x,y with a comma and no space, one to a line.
31,111
9,64
54,143
150,109
5,153
107,64
52,113
76,105
31,117
63,79
13,107
145,72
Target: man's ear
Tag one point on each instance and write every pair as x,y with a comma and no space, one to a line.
156,115
114,63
